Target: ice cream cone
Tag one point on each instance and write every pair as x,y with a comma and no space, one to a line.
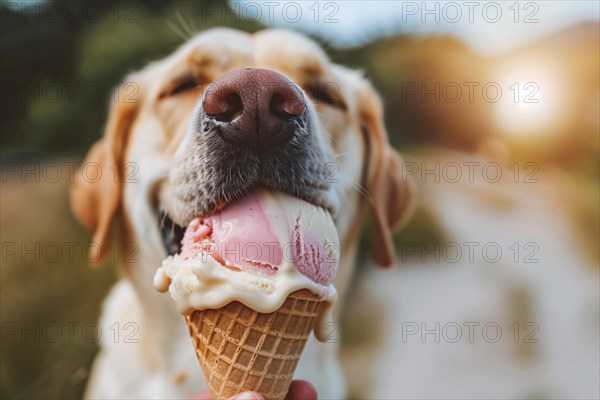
240,349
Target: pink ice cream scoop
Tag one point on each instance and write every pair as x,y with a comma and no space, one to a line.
263,230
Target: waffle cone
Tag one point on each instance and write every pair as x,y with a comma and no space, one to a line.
240,349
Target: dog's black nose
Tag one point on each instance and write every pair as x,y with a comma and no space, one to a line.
254,107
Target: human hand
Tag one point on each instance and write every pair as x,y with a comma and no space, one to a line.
299,390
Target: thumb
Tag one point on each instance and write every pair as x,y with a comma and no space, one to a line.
247,396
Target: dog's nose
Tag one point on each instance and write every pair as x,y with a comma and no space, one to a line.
254,107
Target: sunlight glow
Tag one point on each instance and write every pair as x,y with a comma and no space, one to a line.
530,103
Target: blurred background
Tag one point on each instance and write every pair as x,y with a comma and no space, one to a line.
495,109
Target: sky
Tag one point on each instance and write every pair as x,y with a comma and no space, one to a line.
488,27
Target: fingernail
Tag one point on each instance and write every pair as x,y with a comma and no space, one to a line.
248,396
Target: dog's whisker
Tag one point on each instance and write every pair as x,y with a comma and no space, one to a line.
343,154
358,187
163,218
325,132
364,193
193,25
176,30
186,28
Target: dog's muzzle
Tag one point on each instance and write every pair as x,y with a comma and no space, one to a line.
252,129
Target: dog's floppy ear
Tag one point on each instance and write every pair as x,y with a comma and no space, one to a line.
390,190
97,191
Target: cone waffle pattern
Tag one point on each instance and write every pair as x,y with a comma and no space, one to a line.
240,349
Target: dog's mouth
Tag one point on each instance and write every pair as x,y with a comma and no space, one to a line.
171,233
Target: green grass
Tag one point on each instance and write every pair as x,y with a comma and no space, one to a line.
46,302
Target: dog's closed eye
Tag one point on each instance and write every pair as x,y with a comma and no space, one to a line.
326,93
184,84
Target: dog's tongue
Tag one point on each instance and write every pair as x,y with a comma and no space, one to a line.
263,230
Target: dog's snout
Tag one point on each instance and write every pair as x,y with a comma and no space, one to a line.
254,107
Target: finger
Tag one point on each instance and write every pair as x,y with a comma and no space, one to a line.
202,396
247,396
301,390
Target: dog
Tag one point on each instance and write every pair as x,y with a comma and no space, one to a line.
227,112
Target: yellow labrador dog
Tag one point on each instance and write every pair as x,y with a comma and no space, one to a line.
228,112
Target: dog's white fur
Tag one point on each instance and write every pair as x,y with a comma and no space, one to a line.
158,360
